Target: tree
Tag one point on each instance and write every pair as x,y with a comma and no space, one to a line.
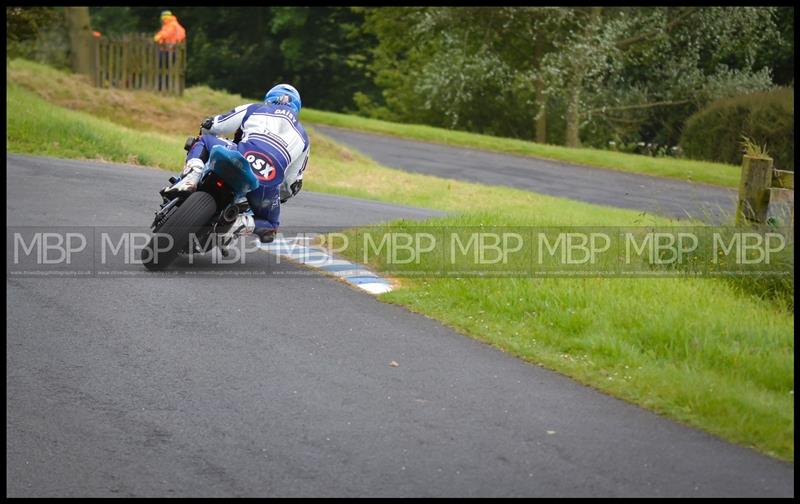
394,62
458,67
24,23
676,56
323,51
610,70
80,37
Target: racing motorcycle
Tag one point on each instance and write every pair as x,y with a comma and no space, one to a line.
205,214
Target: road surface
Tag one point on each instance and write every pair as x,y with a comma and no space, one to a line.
663,196
153,386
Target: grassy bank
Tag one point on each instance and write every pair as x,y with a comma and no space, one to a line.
38,128
698,350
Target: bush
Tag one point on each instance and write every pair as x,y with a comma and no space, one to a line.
715,132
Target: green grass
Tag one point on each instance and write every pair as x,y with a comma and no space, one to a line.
701,351
35,127
683,169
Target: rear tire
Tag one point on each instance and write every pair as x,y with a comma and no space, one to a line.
188,219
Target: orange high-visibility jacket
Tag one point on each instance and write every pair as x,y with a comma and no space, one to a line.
171,31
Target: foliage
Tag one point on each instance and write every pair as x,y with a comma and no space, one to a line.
435,69
323,53
714,133
24,23
752,149
393,58
778,53
247,50
37,33
623,74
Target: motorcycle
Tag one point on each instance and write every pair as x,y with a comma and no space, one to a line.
205,214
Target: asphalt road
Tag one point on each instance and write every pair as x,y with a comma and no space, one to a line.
155,386
662,196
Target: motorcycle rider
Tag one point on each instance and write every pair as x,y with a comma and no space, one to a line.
270,136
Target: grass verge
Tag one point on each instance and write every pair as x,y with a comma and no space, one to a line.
698,350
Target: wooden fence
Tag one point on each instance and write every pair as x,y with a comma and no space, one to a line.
138,62
761,185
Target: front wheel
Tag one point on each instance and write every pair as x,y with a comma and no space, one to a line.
188,219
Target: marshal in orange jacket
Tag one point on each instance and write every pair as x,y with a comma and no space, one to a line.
171,31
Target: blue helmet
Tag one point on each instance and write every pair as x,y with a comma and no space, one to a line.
284,94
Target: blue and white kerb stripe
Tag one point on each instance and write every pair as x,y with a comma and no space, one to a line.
297,250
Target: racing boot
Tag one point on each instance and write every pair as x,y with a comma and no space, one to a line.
190,176
266,235
242,226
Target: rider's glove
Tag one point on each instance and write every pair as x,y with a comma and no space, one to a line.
207,123
296,186
292,190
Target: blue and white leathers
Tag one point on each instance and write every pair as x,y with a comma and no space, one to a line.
274,143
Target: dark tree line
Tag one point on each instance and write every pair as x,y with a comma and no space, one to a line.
245,50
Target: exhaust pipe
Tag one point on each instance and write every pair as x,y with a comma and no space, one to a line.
230,213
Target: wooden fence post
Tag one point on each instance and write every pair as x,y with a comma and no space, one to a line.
125,62
136,62
170,54
104,76
759,183
111,59
781,205
182,68
153,50
96,61
151,68
176,61
754,190
80,39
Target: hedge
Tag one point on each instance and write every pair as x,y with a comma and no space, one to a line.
715,132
